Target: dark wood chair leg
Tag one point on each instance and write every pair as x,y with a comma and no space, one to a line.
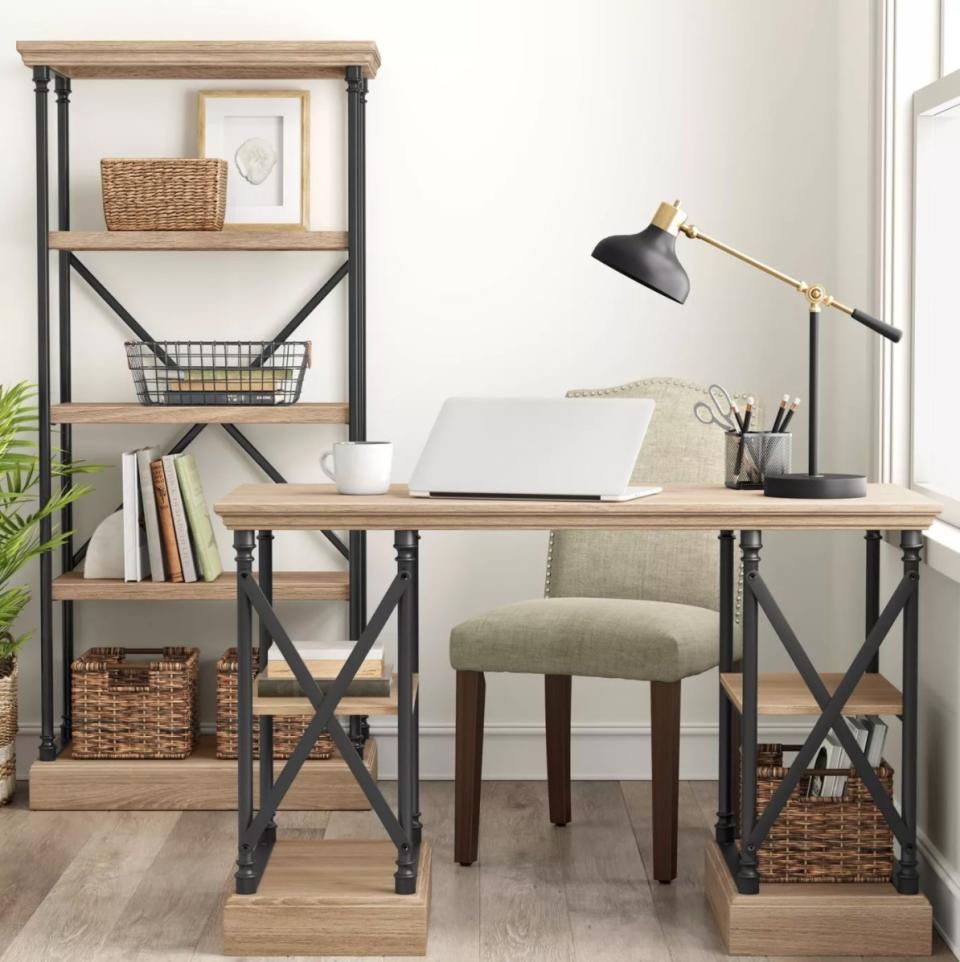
665,738
471,689
557,693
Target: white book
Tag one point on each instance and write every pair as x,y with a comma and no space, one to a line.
149,501
875,743
325,651
861,732
135,565
180,525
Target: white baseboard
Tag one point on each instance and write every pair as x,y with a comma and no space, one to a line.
598,752
942,886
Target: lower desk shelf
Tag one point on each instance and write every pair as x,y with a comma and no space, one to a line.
816,918
200,782
334,896
786,693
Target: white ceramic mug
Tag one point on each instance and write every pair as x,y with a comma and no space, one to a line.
359,467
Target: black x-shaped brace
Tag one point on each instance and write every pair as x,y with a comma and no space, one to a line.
830,706
241,439
325,705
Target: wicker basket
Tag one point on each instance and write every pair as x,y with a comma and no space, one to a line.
124,709
843,839
164,194
287,729
8,729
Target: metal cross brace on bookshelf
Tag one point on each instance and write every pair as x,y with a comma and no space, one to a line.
234,433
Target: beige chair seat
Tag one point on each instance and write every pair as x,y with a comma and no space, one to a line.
599,637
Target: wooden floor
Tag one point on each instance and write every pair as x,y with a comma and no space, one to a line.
127,886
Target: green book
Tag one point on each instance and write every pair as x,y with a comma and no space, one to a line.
204,543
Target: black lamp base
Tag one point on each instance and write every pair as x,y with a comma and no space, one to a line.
815,486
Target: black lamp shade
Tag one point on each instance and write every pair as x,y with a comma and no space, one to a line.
650,258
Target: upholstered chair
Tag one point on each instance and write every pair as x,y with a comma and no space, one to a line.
639,605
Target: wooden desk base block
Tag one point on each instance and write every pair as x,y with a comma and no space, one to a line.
201,781
819,918
329,898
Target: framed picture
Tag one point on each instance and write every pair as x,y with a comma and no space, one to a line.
263,135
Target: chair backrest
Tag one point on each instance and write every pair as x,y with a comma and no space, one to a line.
677,566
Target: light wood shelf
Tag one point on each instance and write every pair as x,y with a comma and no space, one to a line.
199,782
202,59
346,706
287,586
132,413
199,240
785,693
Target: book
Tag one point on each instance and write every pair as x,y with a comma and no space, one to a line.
198,517
325,661
168,537
290,687
875,743
151,522
135,564
180,527
222,397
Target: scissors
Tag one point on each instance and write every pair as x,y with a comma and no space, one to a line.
720,411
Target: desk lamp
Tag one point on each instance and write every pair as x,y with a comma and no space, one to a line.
650,258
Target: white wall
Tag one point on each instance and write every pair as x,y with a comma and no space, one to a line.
504,140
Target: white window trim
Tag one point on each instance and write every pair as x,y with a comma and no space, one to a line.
907,63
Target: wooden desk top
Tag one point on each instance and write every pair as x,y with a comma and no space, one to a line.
704,507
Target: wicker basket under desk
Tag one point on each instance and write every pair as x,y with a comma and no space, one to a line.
286,729
843,839
127,709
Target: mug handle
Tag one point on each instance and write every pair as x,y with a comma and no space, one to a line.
323,466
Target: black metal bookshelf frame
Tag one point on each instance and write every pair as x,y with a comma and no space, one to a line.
353,269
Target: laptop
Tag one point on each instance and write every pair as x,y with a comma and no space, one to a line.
581,449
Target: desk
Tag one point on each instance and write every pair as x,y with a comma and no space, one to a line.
267,508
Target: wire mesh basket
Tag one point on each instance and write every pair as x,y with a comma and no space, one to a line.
755,455
218,372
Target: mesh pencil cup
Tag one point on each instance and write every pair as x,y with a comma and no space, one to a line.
755,456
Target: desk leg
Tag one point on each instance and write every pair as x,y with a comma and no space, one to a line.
415,764
748,881
726,822
405,878
872,592
246,875
905,875
265,553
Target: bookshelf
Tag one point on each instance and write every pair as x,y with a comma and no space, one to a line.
54,67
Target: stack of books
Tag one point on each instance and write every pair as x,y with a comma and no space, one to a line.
167,532
870,731
324,662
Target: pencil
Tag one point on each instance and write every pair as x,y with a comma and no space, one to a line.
748,414
736,414
789,414
781,411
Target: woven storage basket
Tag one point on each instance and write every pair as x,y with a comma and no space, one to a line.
164,194
287,729
124,709
8,731
843,839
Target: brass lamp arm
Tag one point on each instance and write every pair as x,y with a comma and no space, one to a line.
815,294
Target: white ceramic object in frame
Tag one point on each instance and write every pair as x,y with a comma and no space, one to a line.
263,136
359,467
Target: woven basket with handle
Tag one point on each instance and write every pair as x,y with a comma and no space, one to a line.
8,729
130,709
164,193
287,729
844,839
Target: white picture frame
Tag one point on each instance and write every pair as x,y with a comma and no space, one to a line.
264,137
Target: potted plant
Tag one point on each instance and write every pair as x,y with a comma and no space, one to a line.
20,517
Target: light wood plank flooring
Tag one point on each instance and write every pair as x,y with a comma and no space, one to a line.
147,887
